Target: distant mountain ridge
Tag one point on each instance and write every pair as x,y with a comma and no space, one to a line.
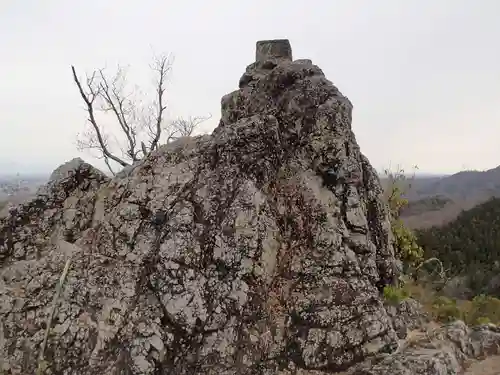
464,184
436,200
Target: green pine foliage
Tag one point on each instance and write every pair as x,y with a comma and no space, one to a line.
469,245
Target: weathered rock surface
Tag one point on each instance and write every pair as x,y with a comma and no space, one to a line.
407,315
260,249
444,351
62,209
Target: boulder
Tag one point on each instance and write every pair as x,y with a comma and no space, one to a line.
443,351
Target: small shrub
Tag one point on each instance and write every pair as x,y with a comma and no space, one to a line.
446,309
482,309
395,295
483,320
405,241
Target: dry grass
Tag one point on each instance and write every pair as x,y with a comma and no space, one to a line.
42,364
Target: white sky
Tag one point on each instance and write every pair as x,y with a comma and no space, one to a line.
424,76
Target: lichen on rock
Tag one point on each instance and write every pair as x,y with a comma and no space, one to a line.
259,249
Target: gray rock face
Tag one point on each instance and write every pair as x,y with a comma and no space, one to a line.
259,249
407,315
62,208
444,352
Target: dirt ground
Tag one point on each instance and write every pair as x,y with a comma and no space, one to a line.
488,366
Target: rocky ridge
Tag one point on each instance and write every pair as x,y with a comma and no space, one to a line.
259,249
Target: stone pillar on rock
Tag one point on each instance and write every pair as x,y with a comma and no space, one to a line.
273,49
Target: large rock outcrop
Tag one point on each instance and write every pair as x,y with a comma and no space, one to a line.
259,249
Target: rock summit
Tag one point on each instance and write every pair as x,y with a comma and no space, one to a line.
259,249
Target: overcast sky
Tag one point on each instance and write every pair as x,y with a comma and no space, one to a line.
423,75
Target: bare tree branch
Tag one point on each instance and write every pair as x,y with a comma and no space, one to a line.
161,67
114,98
140,121
144,149
182,127
89,101
106,160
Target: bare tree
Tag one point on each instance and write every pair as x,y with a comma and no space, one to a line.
138,119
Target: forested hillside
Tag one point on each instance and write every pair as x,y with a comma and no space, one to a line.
469,245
